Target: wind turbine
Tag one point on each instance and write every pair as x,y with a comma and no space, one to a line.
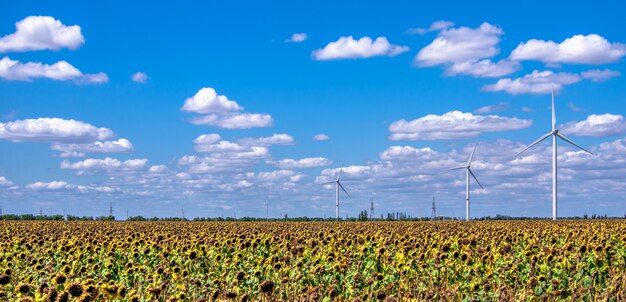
468,172
337,186
554,133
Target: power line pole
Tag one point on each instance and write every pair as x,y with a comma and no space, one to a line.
40,212
372,208
182,211
126,214
434,212
267,211
110,209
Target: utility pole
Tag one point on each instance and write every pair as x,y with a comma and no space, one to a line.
64,216
372,208
40,212
110,209
267,211
434,212
182,211
126,214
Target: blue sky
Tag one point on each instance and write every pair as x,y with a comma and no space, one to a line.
402,90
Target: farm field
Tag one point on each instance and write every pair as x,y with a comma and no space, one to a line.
317,261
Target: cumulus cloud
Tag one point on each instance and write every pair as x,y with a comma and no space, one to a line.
50,186
579,49
404,153
460,45
597,125
222,112
453,125
53,130
597,75
4,182
435,26
365,47
297,38
206,100
499,107
121,145
235,121
275,139
40,33
466,51
483,68
321,137
139,77
308,162
106,165
61,71
537,82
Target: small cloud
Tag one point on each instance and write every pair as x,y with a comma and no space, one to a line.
297,38
139,77
321,137
349,48
579,49
527,109
499,107
574,107
597,125
597,75
435,26
13,70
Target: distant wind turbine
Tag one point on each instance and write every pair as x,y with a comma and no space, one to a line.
554,133
467,181
337,186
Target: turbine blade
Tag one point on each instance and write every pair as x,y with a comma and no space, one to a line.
531,145
344,189
571,142
472,155
455,168
553,111
470,170
327,183
340,171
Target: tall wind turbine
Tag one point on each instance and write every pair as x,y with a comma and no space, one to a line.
468,172
337,186
554,133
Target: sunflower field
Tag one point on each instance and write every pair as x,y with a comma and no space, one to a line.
313,261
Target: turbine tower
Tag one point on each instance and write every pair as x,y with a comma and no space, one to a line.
337,186
554,133
468,172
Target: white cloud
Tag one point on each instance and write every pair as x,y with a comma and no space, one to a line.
435,26
106,165
78,150
597,75
483,68
61,71
297,38
460,45
453,125
235,121
275,139
403,153
321,137
53,130
499,107
537,82
50,186
206,100
597,125
574,108
139,77
349,48
4,182
579,49
308,162
222,112
207,139
157,169
39,33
